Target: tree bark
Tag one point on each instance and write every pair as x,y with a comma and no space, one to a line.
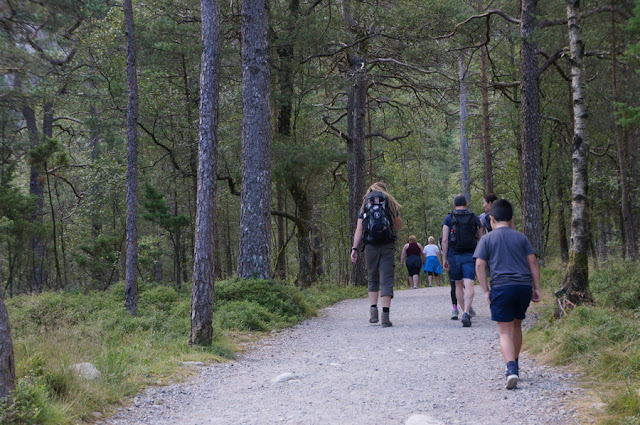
254,254
36,190
486,123
7,359
531,168
131,270
204,250
575,286
630,246
281,265
464,143
356,105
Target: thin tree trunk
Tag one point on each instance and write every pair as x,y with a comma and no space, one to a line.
281,265
464,143
254,253
575,285
131,271
204,250
486,124
7,359
531,173
630,246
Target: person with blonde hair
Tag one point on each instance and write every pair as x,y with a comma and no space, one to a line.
378,222
413,257
432,265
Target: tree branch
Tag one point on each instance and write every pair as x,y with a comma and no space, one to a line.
487,14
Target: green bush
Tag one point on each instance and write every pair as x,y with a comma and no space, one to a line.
246,316
284,300
617,285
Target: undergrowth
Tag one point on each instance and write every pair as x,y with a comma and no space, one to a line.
602,341
55,330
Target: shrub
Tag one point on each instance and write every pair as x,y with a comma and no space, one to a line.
617,285
246,316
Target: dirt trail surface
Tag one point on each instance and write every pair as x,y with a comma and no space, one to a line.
338,369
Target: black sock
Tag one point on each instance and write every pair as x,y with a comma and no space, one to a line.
374,306
385,309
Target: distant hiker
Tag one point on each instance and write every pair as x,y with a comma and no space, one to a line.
413,257
461,230
432,265
515,281
378,222
485,217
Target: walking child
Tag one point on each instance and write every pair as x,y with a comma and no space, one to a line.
515,282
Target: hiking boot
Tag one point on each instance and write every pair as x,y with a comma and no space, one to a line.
472,312
466,320
373,314
386,323
454,315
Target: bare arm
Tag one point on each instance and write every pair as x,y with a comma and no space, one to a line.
535,273
481,274
403,256
397,223
357,238
445,246
422,254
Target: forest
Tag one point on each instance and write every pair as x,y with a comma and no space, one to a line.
183,142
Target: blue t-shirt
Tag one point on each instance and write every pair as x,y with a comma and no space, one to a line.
506,250
447,222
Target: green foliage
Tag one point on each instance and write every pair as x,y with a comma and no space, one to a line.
603,341
617,285
100,257
286,301
246,316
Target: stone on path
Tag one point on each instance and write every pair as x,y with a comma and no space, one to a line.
285,377
422,420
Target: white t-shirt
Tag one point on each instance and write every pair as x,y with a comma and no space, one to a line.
431,250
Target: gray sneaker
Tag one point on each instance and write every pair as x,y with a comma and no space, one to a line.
466,320
454,315
472,312
386,323
373,314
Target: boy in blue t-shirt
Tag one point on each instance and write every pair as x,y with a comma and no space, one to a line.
515,281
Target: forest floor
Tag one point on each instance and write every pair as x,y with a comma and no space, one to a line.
339,369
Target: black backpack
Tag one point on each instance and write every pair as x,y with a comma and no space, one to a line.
377,221
463,234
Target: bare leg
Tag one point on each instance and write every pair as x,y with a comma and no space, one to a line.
416,280
507,332
460,294
373,298
468,294
385,301
429,278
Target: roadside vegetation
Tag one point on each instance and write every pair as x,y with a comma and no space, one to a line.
601,342
55,330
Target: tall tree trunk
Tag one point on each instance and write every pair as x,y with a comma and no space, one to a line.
531,168
306,273
575,285
630,246
464,143
7,359
562,226
36,190
486,124
204,250
254,253
131,271
356,105
94,142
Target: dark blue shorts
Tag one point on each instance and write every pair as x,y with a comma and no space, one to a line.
462,266
509,302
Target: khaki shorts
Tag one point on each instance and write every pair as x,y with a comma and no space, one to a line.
380,260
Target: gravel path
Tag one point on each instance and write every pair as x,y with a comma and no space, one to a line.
339,369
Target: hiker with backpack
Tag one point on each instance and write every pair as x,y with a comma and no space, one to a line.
378,222
515,282
413,257
485,217
461,230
